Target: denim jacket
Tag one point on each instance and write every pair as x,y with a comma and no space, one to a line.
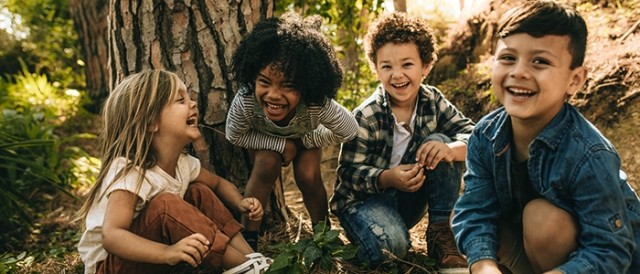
572,165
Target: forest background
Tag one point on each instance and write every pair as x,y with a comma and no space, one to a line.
51,86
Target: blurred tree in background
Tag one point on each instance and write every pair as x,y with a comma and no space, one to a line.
45,38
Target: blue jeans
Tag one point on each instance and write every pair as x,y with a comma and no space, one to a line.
383,222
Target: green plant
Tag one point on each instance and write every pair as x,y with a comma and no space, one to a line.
49,41
33,92
308,254
34,161
9,262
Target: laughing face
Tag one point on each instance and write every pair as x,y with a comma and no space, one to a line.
276,95
179,119
400,70
532,77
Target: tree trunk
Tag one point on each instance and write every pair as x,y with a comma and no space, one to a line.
196,40
90,20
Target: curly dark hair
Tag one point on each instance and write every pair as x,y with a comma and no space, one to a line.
294,46
400,28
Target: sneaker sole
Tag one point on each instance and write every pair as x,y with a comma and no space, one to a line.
453,271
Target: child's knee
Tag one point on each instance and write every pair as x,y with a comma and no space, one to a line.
379,240
543,223
447,173
308,178
267,163
164,203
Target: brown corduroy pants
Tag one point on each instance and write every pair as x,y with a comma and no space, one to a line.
168,218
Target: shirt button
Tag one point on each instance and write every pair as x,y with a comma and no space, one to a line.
618,223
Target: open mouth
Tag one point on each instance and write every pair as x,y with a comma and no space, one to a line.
275,109
521,92
403,85
275,106
193,120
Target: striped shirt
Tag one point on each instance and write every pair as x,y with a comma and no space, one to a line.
315,125
363,158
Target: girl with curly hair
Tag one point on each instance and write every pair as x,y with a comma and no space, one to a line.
284,112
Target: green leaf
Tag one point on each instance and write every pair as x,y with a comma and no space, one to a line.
325,263
302,245
348,252
311,254
319,228
296,269
280,262
332,236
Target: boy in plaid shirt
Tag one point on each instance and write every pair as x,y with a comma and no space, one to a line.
409,152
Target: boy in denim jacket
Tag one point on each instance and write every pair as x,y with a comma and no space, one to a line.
408,153
544,191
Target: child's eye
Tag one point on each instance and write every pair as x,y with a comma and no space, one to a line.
263,82
288,87
506,58
541,61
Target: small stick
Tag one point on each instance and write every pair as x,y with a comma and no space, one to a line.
631,30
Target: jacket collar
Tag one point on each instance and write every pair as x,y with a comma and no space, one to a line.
499,130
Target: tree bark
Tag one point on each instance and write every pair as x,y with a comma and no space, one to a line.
90,20
196,40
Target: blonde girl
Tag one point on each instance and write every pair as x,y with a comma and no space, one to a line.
153,206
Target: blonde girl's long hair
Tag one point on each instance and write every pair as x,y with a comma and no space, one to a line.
131,109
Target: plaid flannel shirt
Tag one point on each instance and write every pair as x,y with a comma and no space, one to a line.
363,158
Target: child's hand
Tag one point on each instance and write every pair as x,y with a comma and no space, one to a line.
190,249
290,151
407,178
252,207
433,152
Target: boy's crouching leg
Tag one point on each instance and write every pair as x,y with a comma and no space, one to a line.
375,226
549,234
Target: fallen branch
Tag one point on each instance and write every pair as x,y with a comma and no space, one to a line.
632,95
631,30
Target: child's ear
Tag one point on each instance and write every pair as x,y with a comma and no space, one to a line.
426,68
578,78
153,127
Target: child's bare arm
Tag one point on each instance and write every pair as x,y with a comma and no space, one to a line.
230,195
119,241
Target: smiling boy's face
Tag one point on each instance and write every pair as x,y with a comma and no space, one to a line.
400,70
532,77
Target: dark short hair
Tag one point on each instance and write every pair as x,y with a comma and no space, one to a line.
399,28
540,18
294,46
